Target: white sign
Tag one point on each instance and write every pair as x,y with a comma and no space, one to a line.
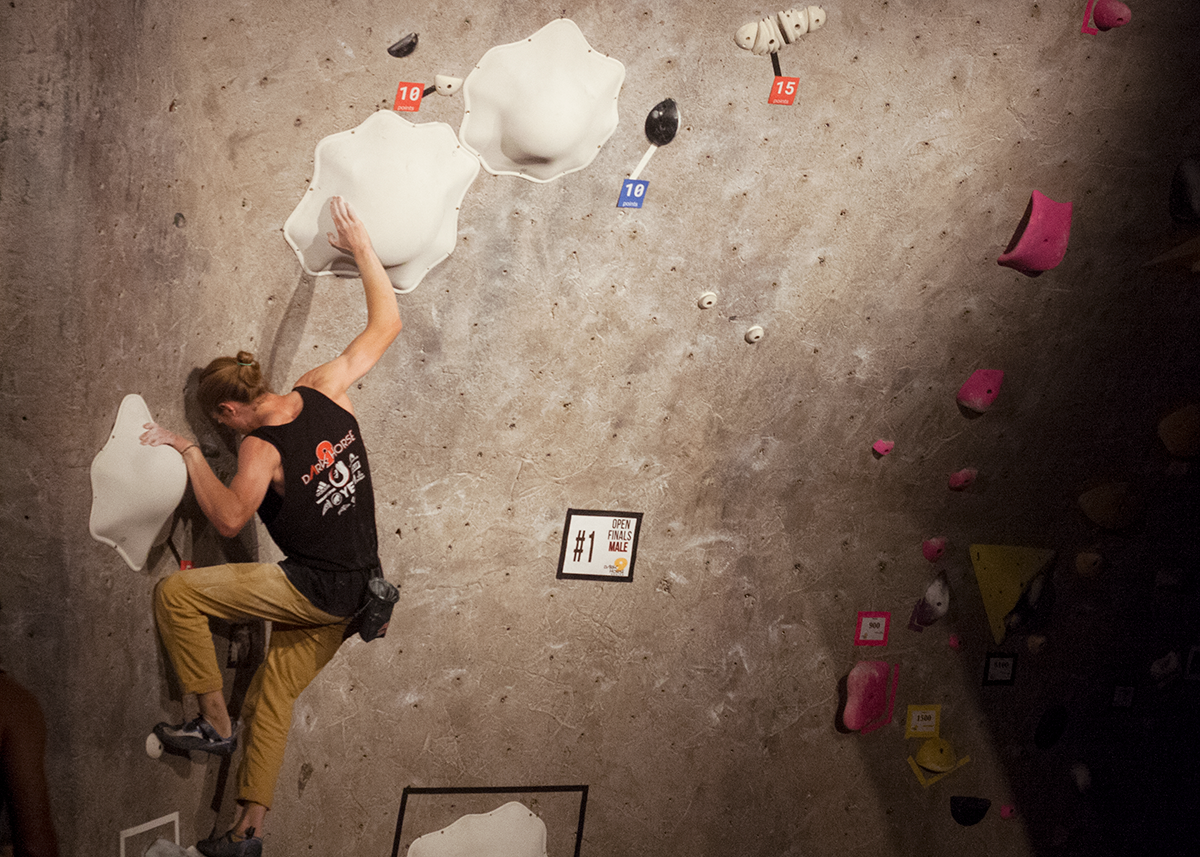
599,545
923,721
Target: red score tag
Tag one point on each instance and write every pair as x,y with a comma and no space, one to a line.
783,90
872,629
408,97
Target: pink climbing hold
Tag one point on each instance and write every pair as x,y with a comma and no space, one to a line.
934,548
963,479
883,447
1008,811
1107,14
953,641
867,697
1040,241
981,389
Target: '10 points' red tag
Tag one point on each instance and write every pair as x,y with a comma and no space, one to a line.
408,97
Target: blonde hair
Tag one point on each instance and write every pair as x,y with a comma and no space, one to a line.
230,379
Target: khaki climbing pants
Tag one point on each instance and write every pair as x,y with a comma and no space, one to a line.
303,640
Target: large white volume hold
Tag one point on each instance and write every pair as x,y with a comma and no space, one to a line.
404,181
541,107
135,488
510,831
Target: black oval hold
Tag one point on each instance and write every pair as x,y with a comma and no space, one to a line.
969,810
404,47
1185,192
1051,727
662,122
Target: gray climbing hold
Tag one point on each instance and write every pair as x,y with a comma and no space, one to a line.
404,47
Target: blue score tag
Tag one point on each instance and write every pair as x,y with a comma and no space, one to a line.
633,192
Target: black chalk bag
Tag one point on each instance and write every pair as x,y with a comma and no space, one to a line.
374,616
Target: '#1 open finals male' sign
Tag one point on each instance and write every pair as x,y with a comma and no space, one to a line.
599,545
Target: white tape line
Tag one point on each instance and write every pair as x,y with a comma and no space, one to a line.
173,818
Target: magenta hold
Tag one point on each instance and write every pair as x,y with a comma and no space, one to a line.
1041,238
981,389
866,690
1107,14
934,548
963,479
883,447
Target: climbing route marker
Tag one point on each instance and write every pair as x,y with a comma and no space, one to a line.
408,97
783,90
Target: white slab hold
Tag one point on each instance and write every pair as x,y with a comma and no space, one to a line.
542,107
135,488
510,831
404,181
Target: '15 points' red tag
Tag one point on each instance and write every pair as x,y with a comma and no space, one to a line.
783,90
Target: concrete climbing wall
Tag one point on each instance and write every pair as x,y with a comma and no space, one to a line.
149,155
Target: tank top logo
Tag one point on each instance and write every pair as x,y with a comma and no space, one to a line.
338,491
327,454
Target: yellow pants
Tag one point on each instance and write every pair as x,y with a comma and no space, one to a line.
303,640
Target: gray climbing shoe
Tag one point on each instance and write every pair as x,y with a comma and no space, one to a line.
196,735
227,846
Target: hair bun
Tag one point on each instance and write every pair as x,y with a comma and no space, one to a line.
245,358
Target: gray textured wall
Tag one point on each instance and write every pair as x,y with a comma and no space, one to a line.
558,359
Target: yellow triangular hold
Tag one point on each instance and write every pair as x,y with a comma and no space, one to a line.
1003,572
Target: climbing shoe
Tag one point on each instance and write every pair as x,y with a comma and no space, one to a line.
196,735
227,846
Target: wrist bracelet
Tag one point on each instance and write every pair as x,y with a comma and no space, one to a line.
189,446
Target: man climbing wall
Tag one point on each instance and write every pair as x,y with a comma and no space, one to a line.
303,467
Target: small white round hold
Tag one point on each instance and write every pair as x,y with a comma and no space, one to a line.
154,747
447,85
754,334
707,300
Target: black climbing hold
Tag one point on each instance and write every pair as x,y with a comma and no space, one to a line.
180,220
1050,727
1185,192
404,47
969,810
662,122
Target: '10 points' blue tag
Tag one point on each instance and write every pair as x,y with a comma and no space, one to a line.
633,192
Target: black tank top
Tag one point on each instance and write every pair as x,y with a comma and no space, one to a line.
325,520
